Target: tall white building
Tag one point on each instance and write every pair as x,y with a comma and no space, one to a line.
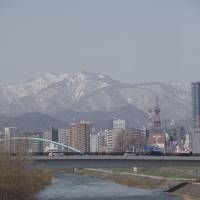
108,138
112,138
195,140
10,132
98,142
101,141
195,133
118,124
64,136
93,143
116,139
187,141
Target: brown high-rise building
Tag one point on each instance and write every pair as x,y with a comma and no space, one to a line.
80,136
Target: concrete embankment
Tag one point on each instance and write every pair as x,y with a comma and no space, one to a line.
181,187
190,191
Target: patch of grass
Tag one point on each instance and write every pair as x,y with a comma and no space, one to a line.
17,180
187,173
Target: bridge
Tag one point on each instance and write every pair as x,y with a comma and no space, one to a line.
63,146
109,161
87,161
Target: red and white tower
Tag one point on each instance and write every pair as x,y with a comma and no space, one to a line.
150,119
156,118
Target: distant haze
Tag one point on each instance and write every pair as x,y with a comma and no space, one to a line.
131,41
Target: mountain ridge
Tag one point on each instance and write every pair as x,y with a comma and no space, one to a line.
87,92
31,122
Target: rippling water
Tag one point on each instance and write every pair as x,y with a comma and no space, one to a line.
78,187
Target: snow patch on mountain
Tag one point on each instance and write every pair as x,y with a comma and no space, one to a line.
84,91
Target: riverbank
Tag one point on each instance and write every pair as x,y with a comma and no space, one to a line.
18,180
185,188
70,186
189,192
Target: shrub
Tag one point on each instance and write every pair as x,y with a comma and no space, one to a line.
17,180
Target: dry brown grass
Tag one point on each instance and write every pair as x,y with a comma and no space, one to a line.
134,181
17,180
186,197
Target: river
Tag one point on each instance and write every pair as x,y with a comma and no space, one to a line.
78,187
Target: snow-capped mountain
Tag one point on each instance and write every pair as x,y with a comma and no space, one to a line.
84,92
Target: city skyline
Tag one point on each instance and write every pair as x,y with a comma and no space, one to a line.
99,99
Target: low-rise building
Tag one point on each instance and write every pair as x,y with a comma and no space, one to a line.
31,145
158,140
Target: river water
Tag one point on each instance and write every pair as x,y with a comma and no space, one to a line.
79,187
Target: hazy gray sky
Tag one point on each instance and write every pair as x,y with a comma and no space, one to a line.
130,40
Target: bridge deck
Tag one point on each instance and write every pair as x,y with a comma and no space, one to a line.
85,161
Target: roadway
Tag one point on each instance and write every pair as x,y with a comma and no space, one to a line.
86,161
